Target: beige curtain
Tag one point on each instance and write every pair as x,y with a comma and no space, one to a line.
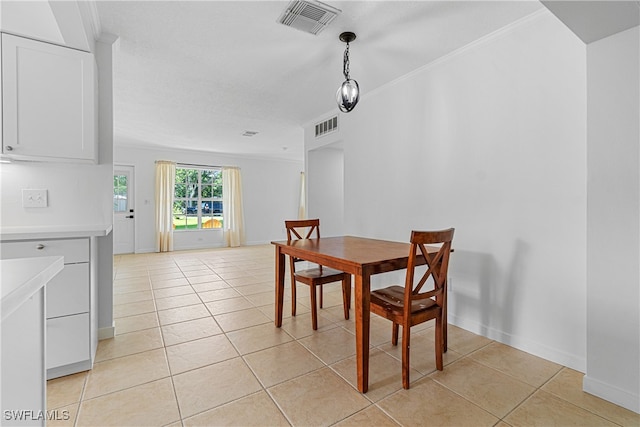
302,208
165,182
232,216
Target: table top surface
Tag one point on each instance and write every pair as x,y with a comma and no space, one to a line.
351,247
350,251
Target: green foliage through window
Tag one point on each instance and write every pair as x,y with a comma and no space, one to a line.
120,193
197,198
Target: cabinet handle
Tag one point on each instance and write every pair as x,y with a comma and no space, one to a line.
9,148
40,247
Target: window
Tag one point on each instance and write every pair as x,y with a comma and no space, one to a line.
120,193
197,198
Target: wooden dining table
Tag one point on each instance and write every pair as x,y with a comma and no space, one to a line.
362,257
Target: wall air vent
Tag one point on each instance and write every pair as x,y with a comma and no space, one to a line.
308,16
327,126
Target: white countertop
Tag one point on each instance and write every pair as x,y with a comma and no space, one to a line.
20,278
54,232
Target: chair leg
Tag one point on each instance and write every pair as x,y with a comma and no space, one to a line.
406,350
293,296
439,343
314,308
346,295
321,293
394,333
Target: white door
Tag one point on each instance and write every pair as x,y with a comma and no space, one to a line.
123,210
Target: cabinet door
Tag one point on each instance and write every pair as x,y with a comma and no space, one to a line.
47,101
68,291
67,340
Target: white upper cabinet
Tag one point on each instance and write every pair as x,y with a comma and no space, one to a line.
48,102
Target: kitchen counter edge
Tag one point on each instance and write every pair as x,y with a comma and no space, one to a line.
8,234
21,278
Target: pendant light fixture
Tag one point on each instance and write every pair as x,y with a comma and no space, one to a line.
348,93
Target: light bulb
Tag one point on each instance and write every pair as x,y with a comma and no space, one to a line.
348,95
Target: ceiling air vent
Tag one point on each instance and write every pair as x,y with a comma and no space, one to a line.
327,126
308,16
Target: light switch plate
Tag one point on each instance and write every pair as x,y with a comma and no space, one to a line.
34,198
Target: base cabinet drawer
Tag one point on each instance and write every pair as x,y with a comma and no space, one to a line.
73,250
68,292
68,340
70,302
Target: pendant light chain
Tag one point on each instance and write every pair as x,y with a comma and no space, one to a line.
345,67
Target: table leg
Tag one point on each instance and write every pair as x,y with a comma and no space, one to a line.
280,272
362,290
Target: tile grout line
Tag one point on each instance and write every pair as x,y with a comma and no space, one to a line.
569,402
229,260
84,386
429,378
135,385
224,333
385,412
240,355
535,390
166,358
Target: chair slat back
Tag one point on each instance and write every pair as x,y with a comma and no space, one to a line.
437,265
298,228
309,228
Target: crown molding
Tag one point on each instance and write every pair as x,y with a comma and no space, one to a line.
464,49
89,10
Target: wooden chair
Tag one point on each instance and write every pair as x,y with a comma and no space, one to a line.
314,277
411,304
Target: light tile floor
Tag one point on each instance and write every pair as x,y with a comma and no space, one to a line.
196,346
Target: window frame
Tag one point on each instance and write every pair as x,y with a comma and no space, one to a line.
187,202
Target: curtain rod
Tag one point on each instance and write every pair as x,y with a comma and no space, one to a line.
199,166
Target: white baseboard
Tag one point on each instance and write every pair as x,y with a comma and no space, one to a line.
62,371
106,333
197,247
611,393
572,361
262,242
145,250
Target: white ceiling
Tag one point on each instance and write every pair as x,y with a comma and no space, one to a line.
196,75
593,20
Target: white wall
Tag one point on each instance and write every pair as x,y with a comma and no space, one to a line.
325,172
613,229
492,141
75,194
271,190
